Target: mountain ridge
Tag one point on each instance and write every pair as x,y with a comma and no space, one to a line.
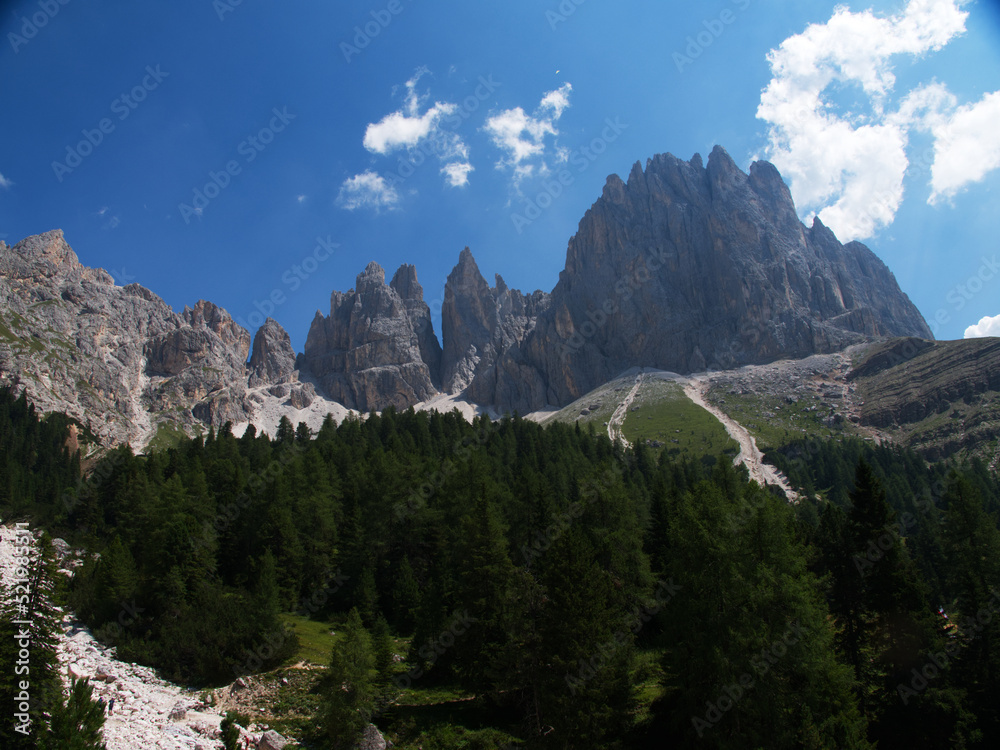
684,266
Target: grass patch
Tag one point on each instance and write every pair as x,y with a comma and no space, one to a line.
596,407
315,639
663,415
773,421
168,435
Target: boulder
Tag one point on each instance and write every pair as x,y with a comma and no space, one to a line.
372,739
271,740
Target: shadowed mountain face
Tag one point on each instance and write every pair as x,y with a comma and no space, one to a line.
684,267
687,267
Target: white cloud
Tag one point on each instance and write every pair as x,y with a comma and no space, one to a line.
986,326
4,182
300,198
409,129
457,173
850,168
522,136
367,190
966,146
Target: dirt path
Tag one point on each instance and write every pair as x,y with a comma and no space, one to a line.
618,418
750,455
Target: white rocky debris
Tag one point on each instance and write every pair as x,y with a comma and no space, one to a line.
148,712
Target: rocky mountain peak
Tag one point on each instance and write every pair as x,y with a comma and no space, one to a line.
372,276
273,358
468,317
376,348
404,283
208,315
686,266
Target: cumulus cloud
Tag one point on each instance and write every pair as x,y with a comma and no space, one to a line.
4,182
405,128
849,168
457,173
522,136
986,326
422,131
966,145
367,190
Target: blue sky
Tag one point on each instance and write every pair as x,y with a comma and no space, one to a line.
325,135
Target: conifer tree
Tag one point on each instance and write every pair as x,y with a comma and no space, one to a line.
349,697
751,661
78,723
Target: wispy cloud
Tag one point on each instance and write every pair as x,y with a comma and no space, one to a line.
416,126
522,136
5,183
986,326
849,168
367,190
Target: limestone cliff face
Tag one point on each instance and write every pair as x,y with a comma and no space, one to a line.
405,284
367,353
480,323
116,358
273,358
686,267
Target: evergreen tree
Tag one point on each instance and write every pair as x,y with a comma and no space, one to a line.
405,598
78,723
350,692
972,544
751,661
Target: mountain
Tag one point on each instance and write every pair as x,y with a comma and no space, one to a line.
369,352
119,359
684,267
940,398
687,267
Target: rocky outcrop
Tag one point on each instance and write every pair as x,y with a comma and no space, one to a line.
367,353
116,358
684,267
405,284
480,323
273,358
687,267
